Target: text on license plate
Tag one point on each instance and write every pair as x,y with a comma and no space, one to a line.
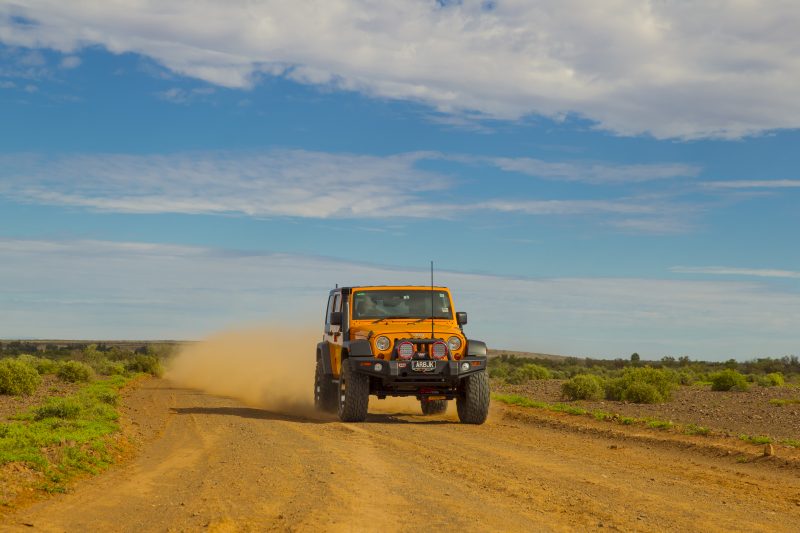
423,366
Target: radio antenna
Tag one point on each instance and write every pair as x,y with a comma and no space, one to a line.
432,321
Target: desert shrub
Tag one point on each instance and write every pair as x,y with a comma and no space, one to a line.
149,364
641,392
694,429
17,377
74,371
728,379
642,385
498,372
583,387
774,379
109,368
66,408
687,377
109,397
42,365
528,372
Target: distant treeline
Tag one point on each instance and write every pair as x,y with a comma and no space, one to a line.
570,366
68,349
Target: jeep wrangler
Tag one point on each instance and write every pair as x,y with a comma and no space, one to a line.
398,341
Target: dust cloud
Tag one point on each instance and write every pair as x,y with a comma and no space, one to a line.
270,367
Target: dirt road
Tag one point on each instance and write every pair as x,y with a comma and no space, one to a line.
210,463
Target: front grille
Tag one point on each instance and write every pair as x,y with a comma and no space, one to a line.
422,347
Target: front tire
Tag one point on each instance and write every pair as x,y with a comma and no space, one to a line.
324,391
353,394
433,407
473,402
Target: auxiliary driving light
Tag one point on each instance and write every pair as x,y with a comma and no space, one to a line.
405,350
464,367
439,350
378,367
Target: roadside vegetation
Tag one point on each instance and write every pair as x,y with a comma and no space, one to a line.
61,436
636,381
649,422
756,401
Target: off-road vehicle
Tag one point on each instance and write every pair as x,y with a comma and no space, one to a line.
399,341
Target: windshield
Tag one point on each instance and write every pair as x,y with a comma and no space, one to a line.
398,303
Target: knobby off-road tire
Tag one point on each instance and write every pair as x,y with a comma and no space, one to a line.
433,407
353,394
324,391
473,403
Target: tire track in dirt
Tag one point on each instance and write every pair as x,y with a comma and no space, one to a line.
211,463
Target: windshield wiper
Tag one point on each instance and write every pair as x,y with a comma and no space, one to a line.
389,318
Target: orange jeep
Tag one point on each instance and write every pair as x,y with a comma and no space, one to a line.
399,341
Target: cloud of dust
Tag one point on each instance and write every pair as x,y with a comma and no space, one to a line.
270,367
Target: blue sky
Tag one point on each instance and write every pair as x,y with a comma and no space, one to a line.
589,180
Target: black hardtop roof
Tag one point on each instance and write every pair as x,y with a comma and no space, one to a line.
389,287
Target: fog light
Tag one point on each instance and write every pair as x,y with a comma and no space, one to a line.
464,367
378,367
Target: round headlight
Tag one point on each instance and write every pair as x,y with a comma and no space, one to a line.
454,343
382,343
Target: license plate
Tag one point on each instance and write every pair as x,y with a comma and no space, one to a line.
423,366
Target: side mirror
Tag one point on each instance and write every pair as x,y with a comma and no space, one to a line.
461,318
336,318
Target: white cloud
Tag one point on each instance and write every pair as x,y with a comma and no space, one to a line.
669,68
733,271
177,95
752,184
70,62
7,84
596,172
97,289
293,183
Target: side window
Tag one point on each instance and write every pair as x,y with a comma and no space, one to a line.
335,307
329,309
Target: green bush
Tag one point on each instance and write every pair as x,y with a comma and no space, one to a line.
583,387
498,371
641,392
642,385
149,364
728,379
17,377
43,365
66,408
109,397
74,371
109,368
774,379
528,372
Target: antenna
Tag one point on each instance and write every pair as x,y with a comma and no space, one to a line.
433,335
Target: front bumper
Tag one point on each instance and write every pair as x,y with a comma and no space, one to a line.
398,374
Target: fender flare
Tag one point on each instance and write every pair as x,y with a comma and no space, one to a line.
358,348
324,356
476,348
